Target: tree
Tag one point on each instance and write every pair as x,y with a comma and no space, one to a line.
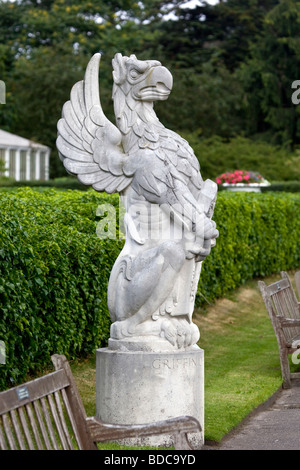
47,46
268,75
224,30
204,48
233,63
208,102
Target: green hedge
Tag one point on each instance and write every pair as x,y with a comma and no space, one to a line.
259,236
54,269
67,182
54,272
283,186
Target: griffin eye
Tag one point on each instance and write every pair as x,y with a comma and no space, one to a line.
134,73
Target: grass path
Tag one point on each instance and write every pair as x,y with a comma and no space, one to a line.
242,368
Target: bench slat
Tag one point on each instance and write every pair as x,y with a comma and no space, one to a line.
35,389
25,428
71,418
33,424
3,445
49,424
63,421
37,409
17,430
57,422
8,432
76,406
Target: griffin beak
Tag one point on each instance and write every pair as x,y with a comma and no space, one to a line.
157,85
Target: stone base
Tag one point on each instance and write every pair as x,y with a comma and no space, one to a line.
245,189
144,344
136,387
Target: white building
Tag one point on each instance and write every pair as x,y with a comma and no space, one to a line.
24,160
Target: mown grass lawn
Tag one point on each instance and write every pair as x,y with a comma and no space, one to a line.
242,368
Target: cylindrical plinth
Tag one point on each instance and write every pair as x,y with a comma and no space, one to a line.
135,387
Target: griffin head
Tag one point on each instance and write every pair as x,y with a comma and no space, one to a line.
146,80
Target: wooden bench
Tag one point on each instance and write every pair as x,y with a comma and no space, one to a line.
48,413
297,282
284,311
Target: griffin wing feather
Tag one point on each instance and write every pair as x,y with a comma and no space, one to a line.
88,143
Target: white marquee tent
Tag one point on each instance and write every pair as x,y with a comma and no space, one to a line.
24,159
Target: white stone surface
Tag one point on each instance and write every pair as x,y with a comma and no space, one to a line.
169,207
15,152
247,189
152,369
10,140
136,387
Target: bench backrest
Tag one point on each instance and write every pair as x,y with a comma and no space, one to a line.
45,413
281,301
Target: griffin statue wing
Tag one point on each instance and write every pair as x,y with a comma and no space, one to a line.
88,143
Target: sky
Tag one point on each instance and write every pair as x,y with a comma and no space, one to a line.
190,4
194,3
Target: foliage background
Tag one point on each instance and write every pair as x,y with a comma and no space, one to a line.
233,65
54,270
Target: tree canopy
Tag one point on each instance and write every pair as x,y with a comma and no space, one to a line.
233,63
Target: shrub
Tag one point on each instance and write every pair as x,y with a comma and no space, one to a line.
217,156
54,270
259,235
283,186
67,182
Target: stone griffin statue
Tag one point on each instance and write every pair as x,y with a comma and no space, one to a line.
169,231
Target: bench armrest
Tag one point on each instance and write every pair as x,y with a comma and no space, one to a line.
176,426
288,322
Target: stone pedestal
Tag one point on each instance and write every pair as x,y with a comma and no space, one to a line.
136,387
250,187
